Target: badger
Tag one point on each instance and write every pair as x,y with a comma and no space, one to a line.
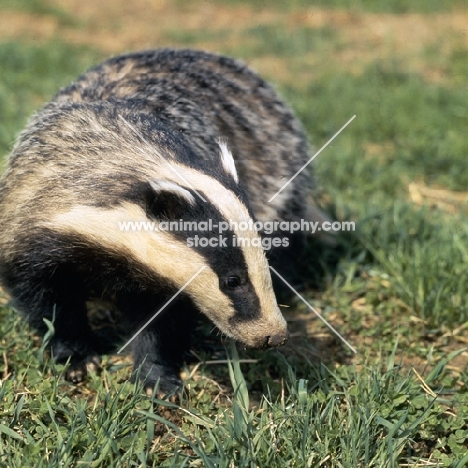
161,135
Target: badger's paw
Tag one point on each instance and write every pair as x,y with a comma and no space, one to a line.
78,369
158,379
80,355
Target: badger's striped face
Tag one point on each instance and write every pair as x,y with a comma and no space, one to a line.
233,287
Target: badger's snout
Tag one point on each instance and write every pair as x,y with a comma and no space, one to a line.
276,340
273,341
252,336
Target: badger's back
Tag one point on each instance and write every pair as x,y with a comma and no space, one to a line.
206,97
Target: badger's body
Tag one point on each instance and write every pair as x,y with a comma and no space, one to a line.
137,139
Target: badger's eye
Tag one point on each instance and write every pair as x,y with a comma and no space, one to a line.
233,282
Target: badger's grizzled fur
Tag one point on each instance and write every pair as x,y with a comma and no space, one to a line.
137,138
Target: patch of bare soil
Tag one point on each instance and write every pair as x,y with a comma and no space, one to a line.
122,25
16,25
401,32
447,200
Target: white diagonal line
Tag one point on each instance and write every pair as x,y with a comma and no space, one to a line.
314,311
185,180
142,138
312,158
134,130
161,309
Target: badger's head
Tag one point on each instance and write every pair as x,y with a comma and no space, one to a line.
230,284
209,245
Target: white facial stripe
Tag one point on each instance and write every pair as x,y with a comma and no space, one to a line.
157,250
228,161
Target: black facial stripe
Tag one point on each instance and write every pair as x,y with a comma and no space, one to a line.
225,258
245,302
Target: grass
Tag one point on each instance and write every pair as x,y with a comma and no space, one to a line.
40,8
396,288
31,75
373,417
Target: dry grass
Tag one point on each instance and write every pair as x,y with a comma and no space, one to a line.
118,26
447,200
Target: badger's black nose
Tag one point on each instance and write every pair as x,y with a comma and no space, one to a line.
277,340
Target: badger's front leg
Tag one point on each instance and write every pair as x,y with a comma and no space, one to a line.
73,338
82,359
154,363
61,300
158,349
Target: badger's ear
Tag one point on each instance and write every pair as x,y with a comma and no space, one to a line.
228,161
169,199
